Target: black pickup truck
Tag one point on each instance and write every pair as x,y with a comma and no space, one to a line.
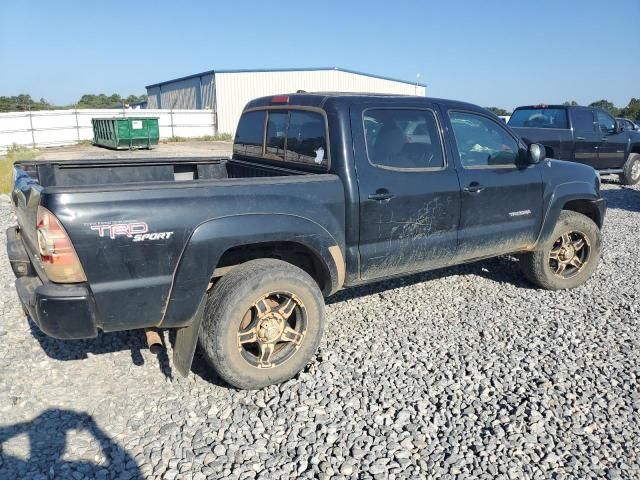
584,135
323,192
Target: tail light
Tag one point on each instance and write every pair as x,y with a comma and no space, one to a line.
57,254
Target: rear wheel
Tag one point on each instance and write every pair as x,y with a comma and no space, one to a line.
569,257
631,170
263,323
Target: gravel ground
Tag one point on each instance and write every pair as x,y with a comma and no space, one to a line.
464,372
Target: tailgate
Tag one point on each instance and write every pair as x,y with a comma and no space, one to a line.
26,198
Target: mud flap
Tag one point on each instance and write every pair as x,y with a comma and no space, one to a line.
186,341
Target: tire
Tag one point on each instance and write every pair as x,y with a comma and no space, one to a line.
544,266
631,170
251,302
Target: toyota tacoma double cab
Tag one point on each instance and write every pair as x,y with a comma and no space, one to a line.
322,192
582,134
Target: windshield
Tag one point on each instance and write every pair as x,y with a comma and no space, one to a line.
539,118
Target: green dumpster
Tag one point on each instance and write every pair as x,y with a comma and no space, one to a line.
125,133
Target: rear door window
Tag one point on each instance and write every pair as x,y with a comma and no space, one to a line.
403,139
582,121
250,134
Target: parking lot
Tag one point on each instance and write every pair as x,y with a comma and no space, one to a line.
462,372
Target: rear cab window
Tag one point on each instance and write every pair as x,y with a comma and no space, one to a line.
250,134
293,136
539,117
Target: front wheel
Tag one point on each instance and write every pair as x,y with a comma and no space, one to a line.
631,171
569,257
262,323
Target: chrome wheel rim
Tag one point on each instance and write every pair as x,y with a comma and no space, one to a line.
272,330
569,254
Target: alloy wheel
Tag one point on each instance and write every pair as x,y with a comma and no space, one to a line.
272,330
569,254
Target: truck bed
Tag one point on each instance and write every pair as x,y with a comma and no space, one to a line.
170,199
72,173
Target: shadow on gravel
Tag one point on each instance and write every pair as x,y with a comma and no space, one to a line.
48,437
623,198
66,350
499,269
201,368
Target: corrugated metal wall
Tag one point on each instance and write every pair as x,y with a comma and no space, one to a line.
235,89
229,92
208,92
180,95
153,97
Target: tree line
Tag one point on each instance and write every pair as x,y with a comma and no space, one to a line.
632,110
24,102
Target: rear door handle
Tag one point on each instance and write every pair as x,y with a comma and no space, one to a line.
580,139
473,187
380,195
605,139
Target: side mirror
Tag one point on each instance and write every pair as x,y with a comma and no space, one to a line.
537,153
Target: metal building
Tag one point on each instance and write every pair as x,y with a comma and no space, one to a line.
226,92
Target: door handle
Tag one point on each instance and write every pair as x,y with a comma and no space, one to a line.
473,187
580,139
605,139
381,195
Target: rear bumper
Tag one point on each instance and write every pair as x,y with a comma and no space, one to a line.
59,310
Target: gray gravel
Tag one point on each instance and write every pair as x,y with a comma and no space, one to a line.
464,372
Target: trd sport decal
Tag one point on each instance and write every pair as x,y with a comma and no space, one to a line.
138,231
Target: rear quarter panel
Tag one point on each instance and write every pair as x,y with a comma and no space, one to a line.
130,278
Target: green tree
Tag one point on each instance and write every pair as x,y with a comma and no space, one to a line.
570,103
22,103
499,111
632,110
103,101
606,105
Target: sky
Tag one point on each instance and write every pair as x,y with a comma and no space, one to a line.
489,52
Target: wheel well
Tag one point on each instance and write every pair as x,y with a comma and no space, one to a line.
291,252
585,207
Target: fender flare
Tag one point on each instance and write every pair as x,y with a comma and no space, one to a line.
212,238
561,195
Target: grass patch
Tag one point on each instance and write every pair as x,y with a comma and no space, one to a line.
175,140
220,137
14,154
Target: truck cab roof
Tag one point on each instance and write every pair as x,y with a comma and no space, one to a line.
335,99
